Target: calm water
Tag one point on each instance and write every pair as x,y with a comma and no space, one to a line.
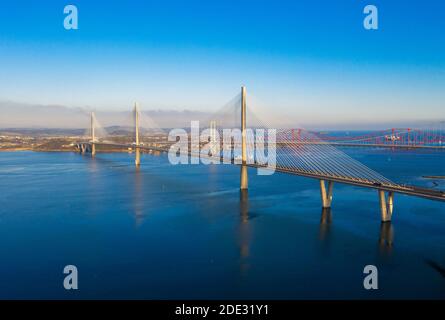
183,232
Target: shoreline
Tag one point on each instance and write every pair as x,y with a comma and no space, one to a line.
65,150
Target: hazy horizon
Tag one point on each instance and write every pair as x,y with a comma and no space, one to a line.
63,117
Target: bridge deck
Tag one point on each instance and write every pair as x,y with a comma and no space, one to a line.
375,145
402,189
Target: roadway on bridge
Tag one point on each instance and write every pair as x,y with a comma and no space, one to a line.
397,188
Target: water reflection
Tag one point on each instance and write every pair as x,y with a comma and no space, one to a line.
244,205
244,231
386,239
325,223
138,197
92,163
93,185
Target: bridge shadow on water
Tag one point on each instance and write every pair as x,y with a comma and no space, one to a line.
244,232
162,231
325,224
385,239
434,265
139,206
219,201
138,197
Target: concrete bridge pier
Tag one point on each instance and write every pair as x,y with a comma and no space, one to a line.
386,205
243,179
83,148
137,160
326,194
93,134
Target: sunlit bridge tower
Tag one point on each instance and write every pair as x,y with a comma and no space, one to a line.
326,193
213,138
137,146
244,181
386,205
93,134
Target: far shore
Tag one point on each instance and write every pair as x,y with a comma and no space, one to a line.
63,150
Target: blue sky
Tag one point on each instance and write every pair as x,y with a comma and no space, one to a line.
310,60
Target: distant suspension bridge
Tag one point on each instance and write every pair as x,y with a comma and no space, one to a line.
390,138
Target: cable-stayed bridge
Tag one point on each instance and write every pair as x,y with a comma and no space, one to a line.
297,152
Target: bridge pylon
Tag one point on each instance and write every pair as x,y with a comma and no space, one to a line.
386,205
244,179
137,160
214,141
93,135
326,193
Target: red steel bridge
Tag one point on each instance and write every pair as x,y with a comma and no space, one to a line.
390,138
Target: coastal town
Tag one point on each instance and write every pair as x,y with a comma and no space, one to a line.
51,140
17,142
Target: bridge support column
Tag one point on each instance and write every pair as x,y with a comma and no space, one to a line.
386,205
93,135
326,194
244,179
137,159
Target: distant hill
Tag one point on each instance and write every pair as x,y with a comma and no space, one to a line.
42,132
20,115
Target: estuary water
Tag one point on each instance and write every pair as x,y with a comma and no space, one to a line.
186,232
